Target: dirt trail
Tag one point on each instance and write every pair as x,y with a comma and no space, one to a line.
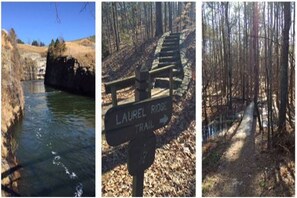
240,165
233,177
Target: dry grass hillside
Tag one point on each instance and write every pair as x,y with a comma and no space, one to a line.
81,49
24,48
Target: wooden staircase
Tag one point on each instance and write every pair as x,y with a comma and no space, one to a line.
170,55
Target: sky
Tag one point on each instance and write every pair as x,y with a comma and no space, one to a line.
38,21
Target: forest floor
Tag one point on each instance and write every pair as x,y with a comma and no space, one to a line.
173,171
123,63
236,167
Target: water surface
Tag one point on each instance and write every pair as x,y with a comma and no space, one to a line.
55,143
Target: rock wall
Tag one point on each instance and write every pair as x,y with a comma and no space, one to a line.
29,69
187,37
182,73
12,103
68,74
33,66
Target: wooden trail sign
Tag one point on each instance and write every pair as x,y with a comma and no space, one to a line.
123,123
135,122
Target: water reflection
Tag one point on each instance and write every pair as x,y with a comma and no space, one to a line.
35,86
219,125
71,107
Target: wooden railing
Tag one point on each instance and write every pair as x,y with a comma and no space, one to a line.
113,86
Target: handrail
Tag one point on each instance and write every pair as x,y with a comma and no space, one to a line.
130,81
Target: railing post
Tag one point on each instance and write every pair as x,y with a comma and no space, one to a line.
170,82
142,84
114,96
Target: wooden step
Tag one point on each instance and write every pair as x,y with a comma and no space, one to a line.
169,53
169,48
174,34
171,39
170,43
177,63
175,37
164,82
169,59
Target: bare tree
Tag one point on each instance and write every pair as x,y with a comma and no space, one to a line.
284,68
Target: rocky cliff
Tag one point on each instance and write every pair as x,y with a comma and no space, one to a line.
33,66
67,73
12,103
33,61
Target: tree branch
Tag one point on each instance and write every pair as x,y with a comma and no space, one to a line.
57,14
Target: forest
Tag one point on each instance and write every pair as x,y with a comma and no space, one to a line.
133,23
248,58
161,38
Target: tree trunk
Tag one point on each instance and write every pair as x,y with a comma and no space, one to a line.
204,76
292,71
170,16
165,16
228,58
146,21
284,68
277,77
267,79
115,25
256,53
159,24
224,49
179,10
152,22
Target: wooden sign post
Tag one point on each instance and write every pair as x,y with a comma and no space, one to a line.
135,122
138,145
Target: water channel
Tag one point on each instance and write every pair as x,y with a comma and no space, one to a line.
55,143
